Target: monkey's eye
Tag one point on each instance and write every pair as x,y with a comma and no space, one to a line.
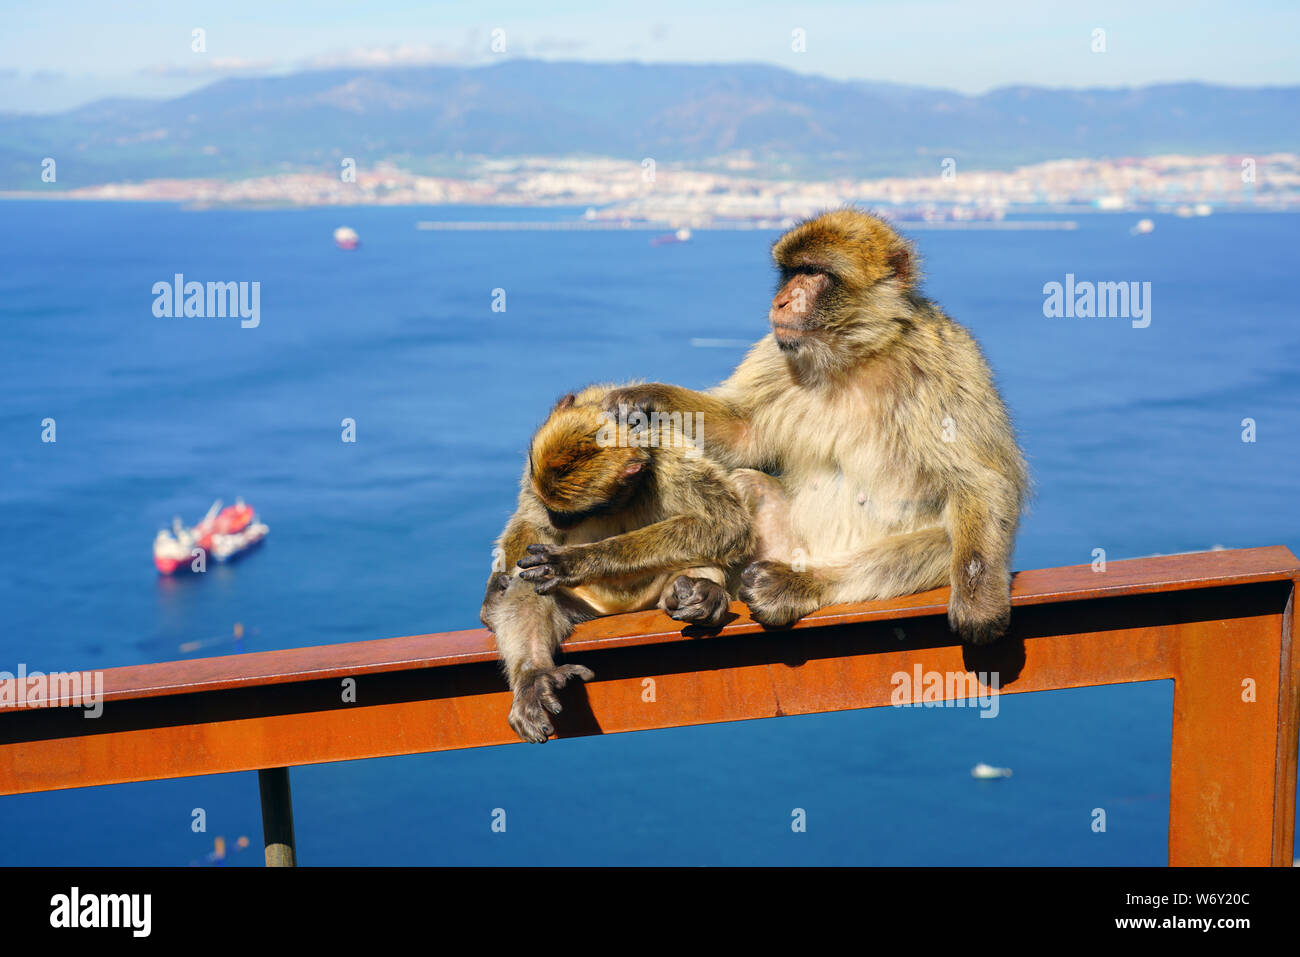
805,270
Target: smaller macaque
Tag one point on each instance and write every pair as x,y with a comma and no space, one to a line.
609,520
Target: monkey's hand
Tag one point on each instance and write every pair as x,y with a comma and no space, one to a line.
777,595
647,397
698,601
979,606
550,566
979,622
535,696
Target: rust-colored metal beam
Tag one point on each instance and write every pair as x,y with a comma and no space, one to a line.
1219,624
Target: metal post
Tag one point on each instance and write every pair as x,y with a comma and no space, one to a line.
277,817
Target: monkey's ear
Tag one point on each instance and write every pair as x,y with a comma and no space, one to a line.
900,261
633,467
567,401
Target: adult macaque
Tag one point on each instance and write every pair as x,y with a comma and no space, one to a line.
608,521
880,417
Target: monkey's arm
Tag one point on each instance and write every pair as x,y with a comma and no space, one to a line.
983,513
973,458
675,543
721,423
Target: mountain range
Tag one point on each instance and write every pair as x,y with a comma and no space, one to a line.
793,123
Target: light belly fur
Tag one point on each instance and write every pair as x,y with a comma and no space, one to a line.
845,516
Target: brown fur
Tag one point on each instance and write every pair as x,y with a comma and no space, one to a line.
879,413
603,527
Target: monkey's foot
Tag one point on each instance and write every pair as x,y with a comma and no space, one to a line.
980,619
697,600
776,594
536,695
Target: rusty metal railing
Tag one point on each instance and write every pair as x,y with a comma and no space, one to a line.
1219,624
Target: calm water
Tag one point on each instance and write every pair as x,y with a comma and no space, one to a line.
1134,437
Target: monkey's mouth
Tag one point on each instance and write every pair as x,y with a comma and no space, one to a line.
787,336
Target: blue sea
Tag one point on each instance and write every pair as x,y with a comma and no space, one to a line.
1134,437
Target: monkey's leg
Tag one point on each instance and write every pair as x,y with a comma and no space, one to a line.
778,595
519,533
698,596
769,509
983,530
529,628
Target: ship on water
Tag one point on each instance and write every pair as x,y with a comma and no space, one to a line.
679,236
345,237
223,533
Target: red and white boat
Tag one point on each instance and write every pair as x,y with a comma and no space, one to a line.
679,236
226,547
224,533
345,237
172,550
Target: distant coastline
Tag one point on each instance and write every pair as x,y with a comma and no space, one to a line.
622,192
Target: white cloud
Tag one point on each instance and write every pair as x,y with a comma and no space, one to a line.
402,54
204,65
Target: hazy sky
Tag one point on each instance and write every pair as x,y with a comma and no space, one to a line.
61,53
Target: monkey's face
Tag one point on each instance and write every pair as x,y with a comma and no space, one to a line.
575,475
840,276
798,308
